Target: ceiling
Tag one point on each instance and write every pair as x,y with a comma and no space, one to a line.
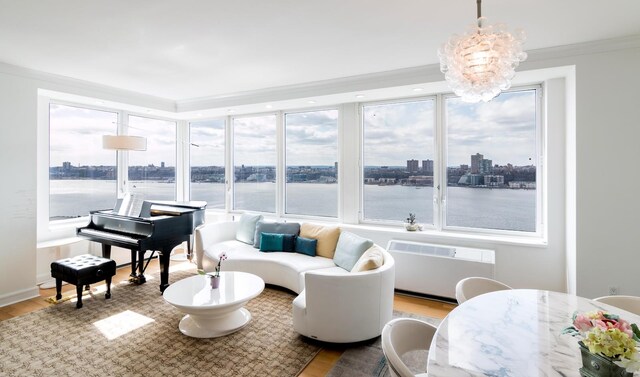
190,49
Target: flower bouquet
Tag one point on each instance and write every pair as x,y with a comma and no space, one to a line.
609,344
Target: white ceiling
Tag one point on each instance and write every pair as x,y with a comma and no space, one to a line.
191,49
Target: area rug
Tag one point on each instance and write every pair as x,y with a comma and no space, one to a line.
64,341
366,359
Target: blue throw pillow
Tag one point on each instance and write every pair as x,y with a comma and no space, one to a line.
271,242
349,249
288,242
280,228
306,246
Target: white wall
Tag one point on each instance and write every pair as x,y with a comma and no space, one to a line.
606,136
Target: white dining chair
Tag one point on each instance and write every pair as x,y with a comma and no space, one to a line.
628,303
475,286
402,335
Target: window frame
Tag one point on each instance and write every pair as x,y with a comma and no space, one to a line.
436,159
187,153
440,171
540,167
283,134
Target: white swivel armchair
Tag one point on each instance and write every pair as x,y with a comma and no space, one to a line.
628,303
403,335
345,308
475,286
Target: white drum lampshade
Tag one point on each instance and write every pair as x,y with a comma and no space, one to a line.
124,142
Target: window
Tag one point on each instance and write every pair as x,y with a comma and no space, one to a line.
82,175
206,150
152,173
399,160
254,159
311,162
491,162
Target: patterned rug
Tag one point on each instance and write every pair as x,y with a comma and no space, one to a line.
365,359
135,333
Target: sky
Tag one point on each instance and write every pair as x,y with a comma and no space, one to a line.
503,130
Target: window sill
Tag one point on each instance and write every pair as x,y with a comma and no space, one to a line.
447,237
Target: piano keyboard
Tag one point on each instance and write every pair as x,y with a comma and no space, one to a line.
109,235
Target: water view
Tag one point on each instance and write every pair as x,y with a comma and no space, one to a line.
505,209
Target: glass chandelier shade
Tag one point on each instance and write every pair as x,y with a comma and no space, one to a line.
481,63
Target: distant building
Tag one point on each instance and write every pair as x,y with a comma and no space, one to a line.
494,180
419,180
413,166
66,165
476,160
427,167
162,164
485,167
471,180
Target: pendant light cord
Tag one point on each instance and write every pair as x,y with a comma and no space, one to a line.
478,2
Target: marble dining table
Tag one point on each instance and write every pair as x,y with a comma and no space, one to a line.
512,333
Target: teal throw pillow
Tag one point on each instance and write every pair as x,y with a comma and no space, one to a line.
349,249
306,246
269,227
271,242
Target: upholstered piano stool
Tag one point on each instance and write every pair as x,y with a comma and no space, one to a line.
81,271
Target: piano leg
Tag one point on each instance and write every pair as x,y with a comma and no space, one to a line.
141,278
165,259
132,276
106,251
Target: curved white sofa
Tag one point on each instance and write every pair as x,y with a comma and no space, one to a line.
333,305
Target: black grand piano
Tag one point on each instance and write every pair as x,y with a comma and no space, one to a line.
161,226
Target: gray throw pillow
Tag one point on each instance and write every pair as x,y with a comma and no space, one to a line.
247,227
349,249
267,227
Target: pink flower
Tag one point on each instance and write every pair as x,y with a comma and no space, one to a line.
582,323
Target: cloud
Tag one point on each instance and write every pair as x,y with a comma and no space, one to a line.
311,138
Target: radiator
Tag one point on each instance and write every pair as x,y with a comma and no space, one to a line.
435,269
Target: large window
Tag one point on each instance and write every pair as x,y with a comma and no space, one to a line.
82,175
492,162
311,163
254,159
206,150
399,160
152,173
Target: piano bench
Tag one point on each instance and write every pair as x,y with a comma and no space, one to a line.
81,271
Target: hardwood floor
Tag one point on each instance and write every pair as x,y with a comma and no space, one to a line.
318,367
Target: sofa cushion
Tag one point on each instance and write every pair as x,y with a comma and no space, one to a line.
327,237
349,249
247,227
271,241
370,260
268,227
277,242
306,246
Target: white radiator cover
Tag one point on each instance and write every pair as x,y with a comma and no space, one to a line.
435,269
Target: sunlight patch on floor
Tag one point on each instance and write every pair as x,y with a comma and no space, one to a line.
121,323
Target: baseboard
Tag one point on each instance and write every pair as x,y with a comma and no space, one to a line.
22,295
447,300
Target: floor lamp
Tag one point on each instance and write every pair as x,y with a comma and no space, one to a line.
124,143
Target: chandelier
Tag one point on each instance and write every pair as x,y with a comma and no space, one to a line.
481,63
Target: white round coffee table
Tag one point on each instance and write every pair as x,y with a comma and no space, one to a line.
214,312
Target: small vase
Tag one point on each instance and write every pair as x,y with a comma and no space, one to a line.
412,227
215,282
594,365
